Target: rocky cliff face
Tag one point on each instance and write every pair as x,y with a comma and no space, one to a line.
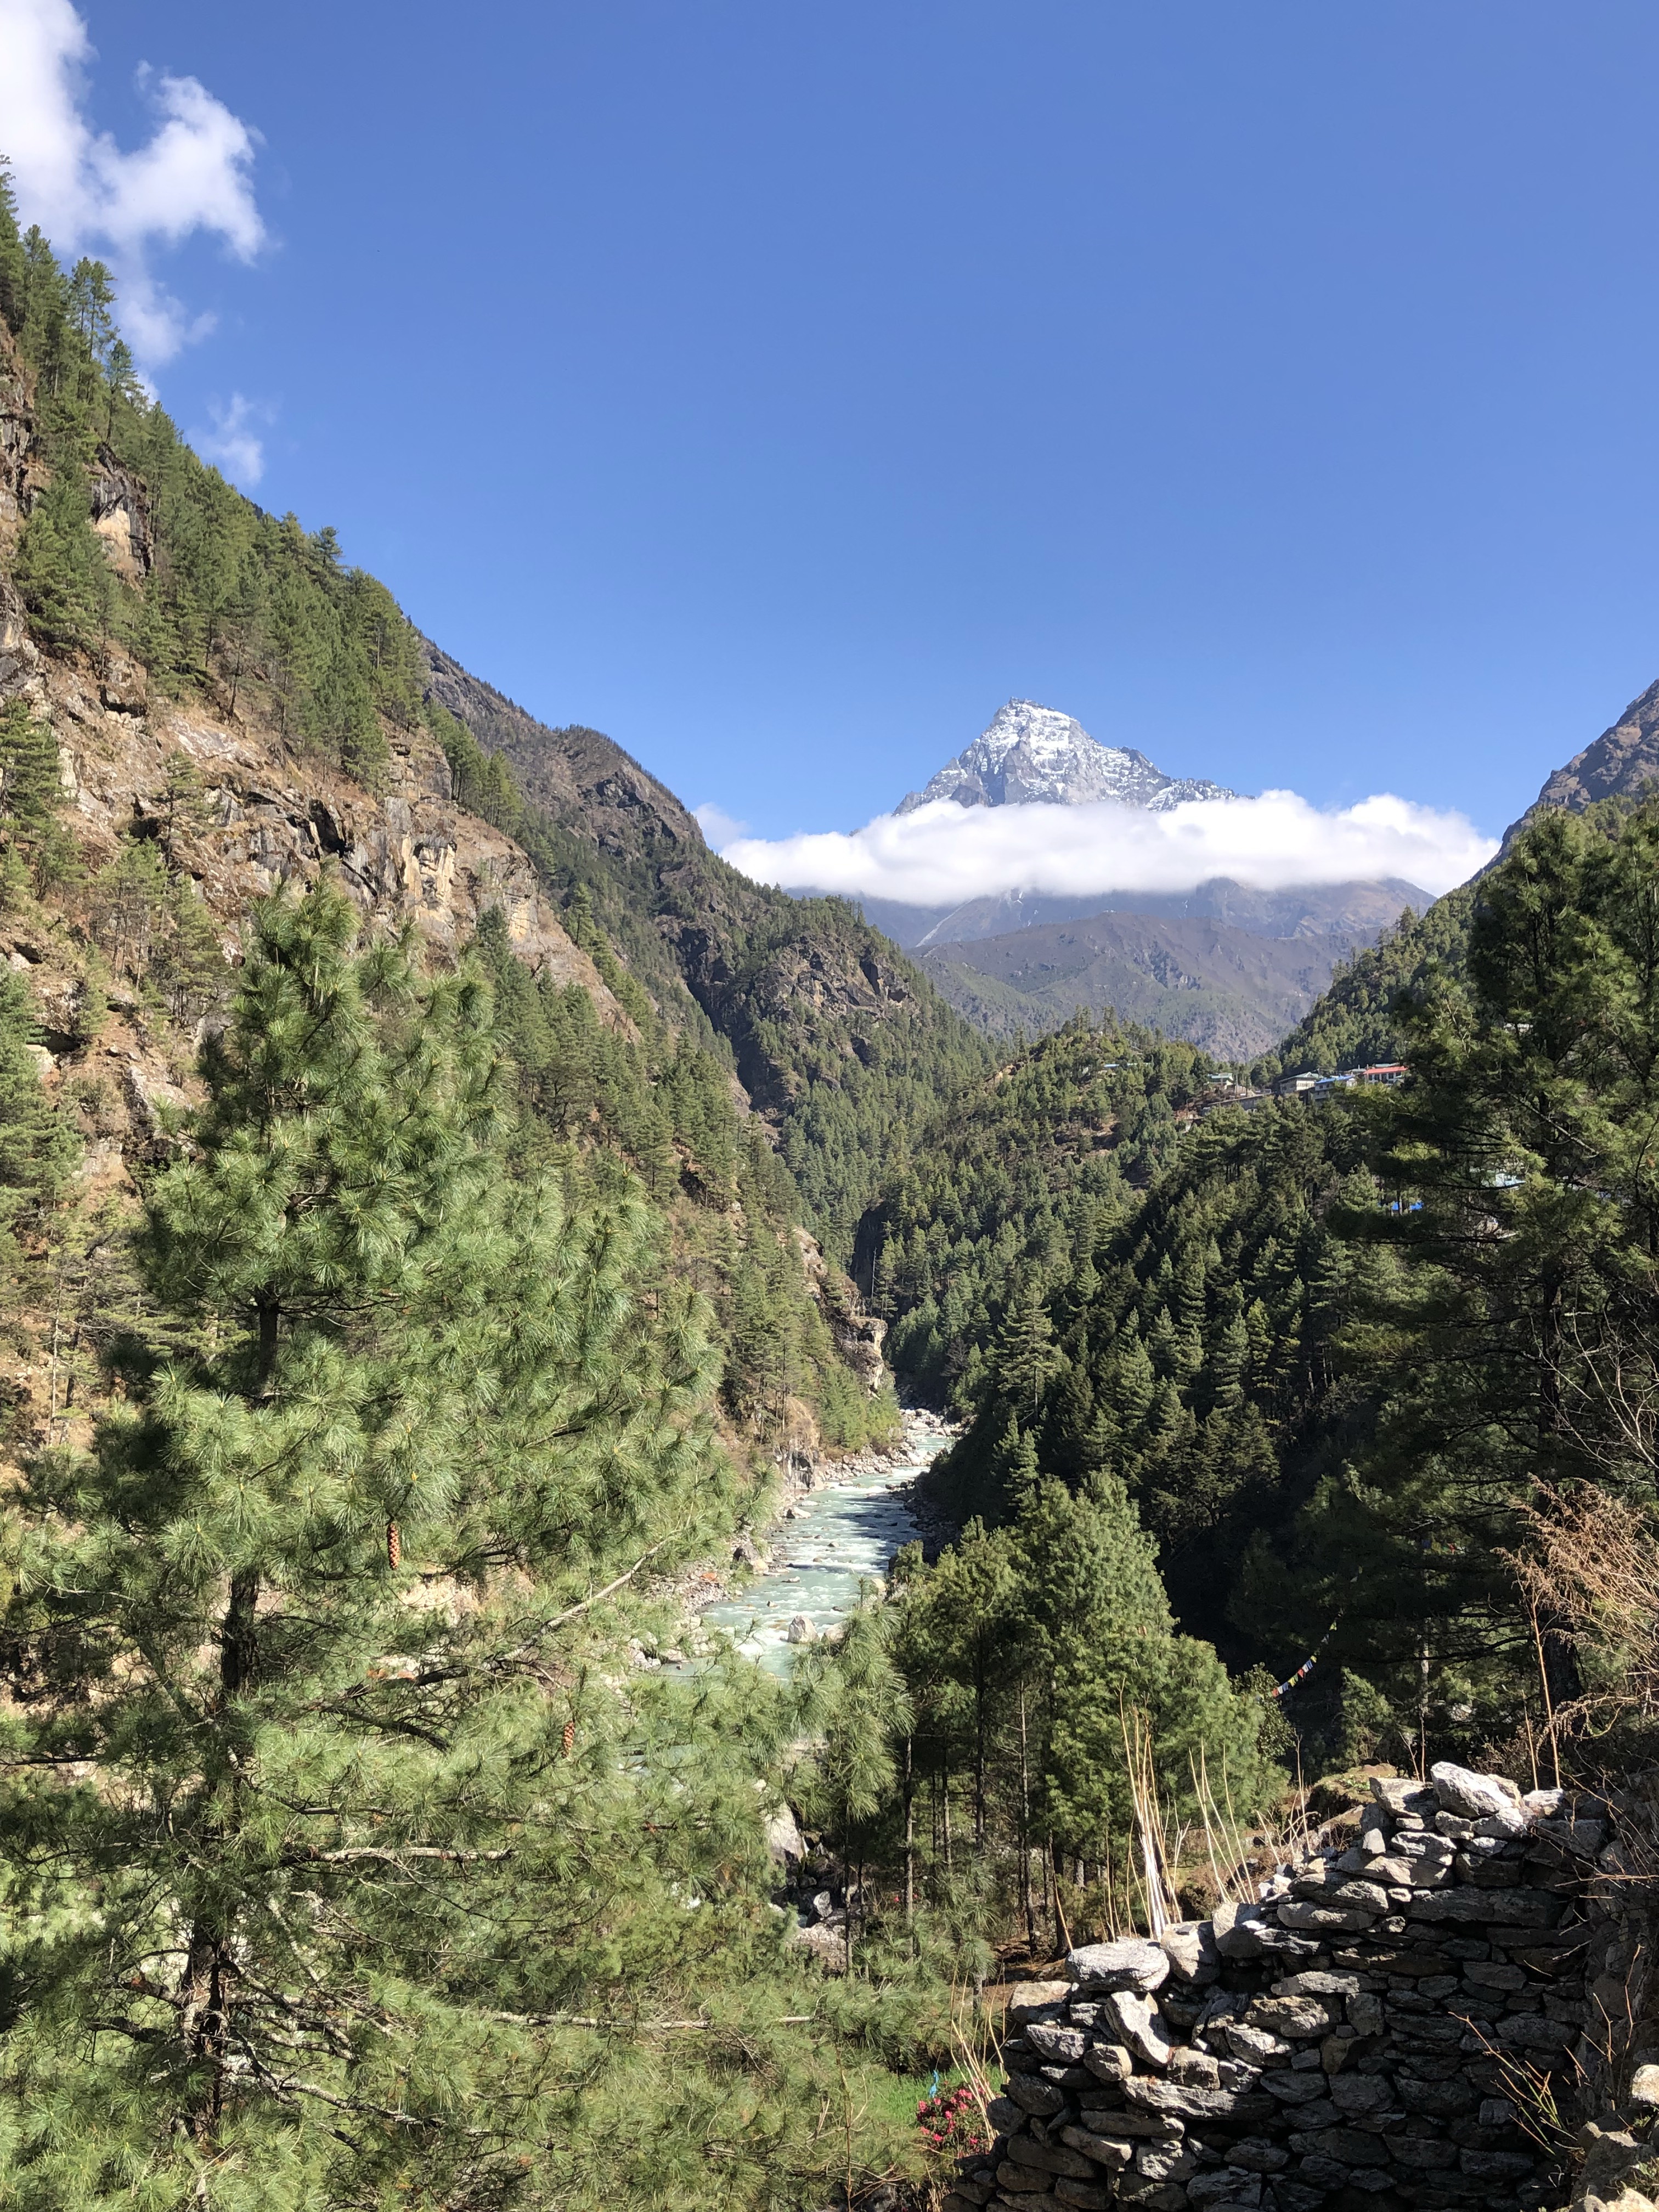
20,475
269,815
1623,760
829,996
1031,753
277,815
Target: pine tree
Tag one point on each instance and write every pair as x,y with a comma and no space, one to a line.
37,1145
37,851
306,1598
1099,1643
869,1710
31,786
1516,1346
91,305
339,718
185,811
1026,1354
13,268
121,377
62,576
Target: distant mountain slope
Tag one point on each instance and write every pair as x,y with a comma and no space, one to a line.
1231,991
1031,753
575,775
1357,910
1352,1022
1622,761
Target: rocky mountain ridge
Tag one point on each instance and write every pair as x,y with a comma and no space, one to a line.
576,776
819,1010
1622,761
1029,754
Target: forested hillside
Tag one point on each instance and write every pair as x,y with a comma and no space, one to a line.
1353,1022
843,1046
1371,1381
1329,1348
268,659
1001,1205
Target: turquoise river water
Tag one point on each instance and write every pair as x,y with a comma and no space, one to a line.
837,1536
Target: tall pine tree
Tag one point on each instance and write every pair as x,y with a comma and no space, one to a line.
309,1786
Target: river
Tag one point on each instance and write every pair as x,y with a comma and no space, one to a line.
833,1538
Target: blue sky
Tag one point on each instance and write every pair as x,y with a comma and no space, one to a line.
781,390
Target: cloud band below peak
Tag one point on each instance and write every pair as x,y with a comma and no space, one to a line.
943,853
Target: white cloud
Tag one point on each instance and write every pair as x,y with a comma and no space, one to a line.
716,824
232,443
943,853
192,175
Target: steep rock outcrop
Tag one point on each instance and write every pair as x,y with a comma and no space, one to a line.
1623,760
577,777
276,815
830,992
121,516
19,470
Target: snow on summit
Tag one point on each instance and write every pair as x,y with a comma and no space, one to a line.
1031,754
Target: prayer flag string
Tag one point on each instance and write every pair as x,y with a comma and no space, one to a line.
1429,1545
1283,1689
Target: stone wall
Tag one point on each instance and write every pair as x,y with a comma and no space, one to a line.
1395,2023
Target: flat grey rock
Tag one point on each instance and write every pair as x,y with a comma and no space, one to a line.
1136,1963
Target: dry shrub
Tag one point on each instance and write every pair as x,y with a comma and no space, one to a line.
1590,1571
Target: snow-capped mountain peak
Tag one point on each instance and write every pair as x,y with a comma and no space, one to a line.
1033,754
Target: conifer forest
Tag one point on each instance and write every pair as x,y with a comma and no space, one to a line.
448,1218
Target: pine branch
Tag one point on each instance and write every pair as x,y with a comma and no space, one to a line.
430,1676
310,1855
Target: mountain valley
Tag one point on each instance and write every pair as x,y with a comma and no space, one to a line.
449,1217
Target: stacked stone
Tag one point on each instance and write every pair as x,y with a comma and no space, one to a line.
1370,2035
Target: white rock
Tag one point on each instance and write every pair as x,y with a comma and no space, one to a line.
1253,2044
1189,1946
784,1839
1472,1796
1510,1825
1030,2000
